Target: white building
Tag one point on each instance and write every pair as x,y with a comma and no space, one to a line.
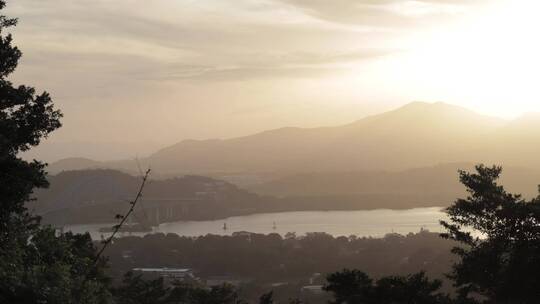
169,274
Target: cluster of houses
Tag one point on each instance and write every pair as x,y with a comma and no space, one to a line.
171,275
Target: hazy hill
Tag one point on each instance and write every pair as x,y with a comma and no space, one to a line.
440,183
96,196
75,163
416,135
90,196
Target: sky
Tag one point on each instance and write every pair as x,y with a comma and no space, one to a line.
133,76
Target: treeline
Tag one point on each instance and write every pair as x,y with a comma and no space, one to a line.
347,286
272,258
282,264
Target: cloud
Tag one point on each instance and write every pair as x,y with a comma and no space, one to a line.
209,39
180,66
119,40
111,43
270,65
383,13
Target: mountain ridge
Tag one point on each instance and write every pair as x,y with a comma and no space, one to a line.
415,135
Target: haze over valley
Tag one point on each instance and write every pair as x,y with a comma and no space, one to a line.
416,135
405,158
269,152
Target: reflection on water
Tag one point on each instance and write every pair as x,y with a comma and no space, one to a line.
374,223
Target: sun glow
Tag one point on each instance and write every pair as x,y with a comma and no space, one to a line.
490,62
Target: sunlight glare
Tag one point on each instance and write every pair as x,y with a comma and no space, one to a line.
489,63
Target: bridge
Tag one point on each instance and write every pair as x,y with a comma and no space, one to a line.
154,211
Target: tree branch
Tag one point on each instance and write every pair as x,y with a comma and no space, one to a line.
116,228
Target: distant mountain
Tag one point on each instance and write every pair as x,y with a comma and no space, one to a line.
416,135
75,163
436,184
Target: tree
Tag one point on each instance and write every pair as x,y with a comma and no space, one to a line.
349,286
224,294
25,118
415,288
355,287
37,265
267,298
499,234
136,290
52,270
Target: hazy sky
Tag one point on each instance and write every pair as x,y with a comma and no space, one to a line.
132,76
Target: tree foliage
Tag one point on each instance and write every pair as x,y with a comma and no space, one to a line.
356,287
37,264
267,298
500,236
25,118
137,290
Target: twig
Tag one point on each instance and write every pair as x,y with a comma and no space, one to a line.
117,227
115,231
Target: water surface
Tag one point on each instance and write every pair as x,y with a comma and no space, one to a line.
375,223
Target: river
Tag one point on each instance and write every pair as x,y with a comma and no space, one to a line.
374,223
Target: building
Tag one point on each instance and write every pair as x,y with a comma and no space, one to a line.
168,274
313,289
228,280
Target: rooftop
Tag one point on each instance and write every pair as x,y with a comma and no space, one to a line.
165,269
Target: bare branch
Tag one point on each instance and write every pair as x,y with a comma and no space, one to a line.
117,227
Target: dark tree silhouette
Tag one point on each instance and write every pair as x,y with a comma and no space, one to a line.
136,290
350,286
25,118
267,298
416,288
195,294
356,287
500,237
36,264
